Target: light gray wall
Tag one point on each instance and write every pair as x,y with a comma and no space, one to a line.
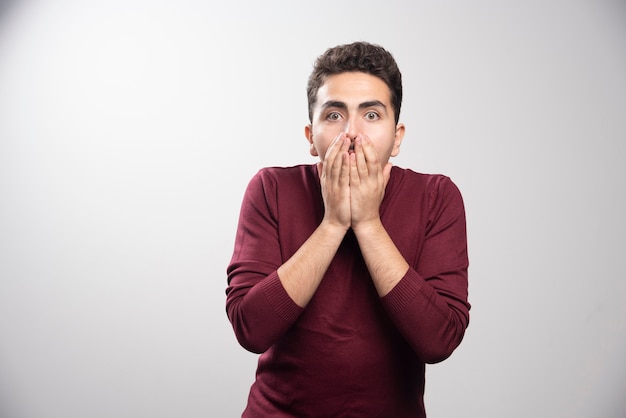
130,128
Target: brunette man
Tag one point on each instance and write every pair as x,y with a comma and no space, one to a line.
348,275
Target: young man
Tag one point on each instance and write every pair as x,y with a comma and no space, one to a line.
348,275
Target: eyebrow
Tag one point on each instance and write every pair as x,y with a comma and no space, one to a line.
364,105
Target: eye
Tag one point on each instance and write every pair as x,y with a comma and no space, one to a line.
371,115
333,116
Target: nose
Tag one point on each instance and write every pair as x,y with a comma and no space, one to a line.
351,128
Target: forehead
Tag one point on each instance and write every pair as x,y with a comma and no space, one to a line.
353,87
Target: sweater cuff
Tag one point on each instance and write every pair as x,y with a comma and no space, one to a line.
278,298
405,291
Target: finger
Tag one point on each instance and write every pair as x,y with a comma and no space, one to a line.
333,156
355,177
331,152
341,160
344,175
361,160
371,156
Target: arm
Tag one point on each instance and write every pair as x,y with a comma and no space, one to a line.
265,297
431,311
429,304
367,182
303,272
257,305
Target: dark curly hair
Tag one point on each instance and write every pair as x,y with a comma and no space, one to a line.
359,57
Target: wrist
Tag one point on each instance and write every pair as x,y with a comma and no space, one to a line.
332,228
368,227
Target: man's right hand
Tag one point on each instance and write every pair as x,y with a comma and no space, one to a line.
335,182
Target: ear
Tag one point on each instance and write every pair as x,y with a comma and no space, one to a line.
398,139
308,133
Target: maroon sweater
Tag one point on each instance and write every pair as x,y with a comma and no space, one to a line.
349,352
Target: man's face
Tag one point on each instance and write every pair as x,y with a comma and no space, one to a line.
354,103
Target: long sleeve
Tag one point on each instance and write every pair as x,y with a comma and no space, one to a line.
429,305
257,304
349,346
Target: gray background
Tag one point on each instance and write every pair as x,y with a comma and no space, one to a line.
129,130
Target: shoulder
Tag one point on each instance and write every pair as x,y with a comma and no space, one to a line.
416,177
279,174
405,177
433,187
294,178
